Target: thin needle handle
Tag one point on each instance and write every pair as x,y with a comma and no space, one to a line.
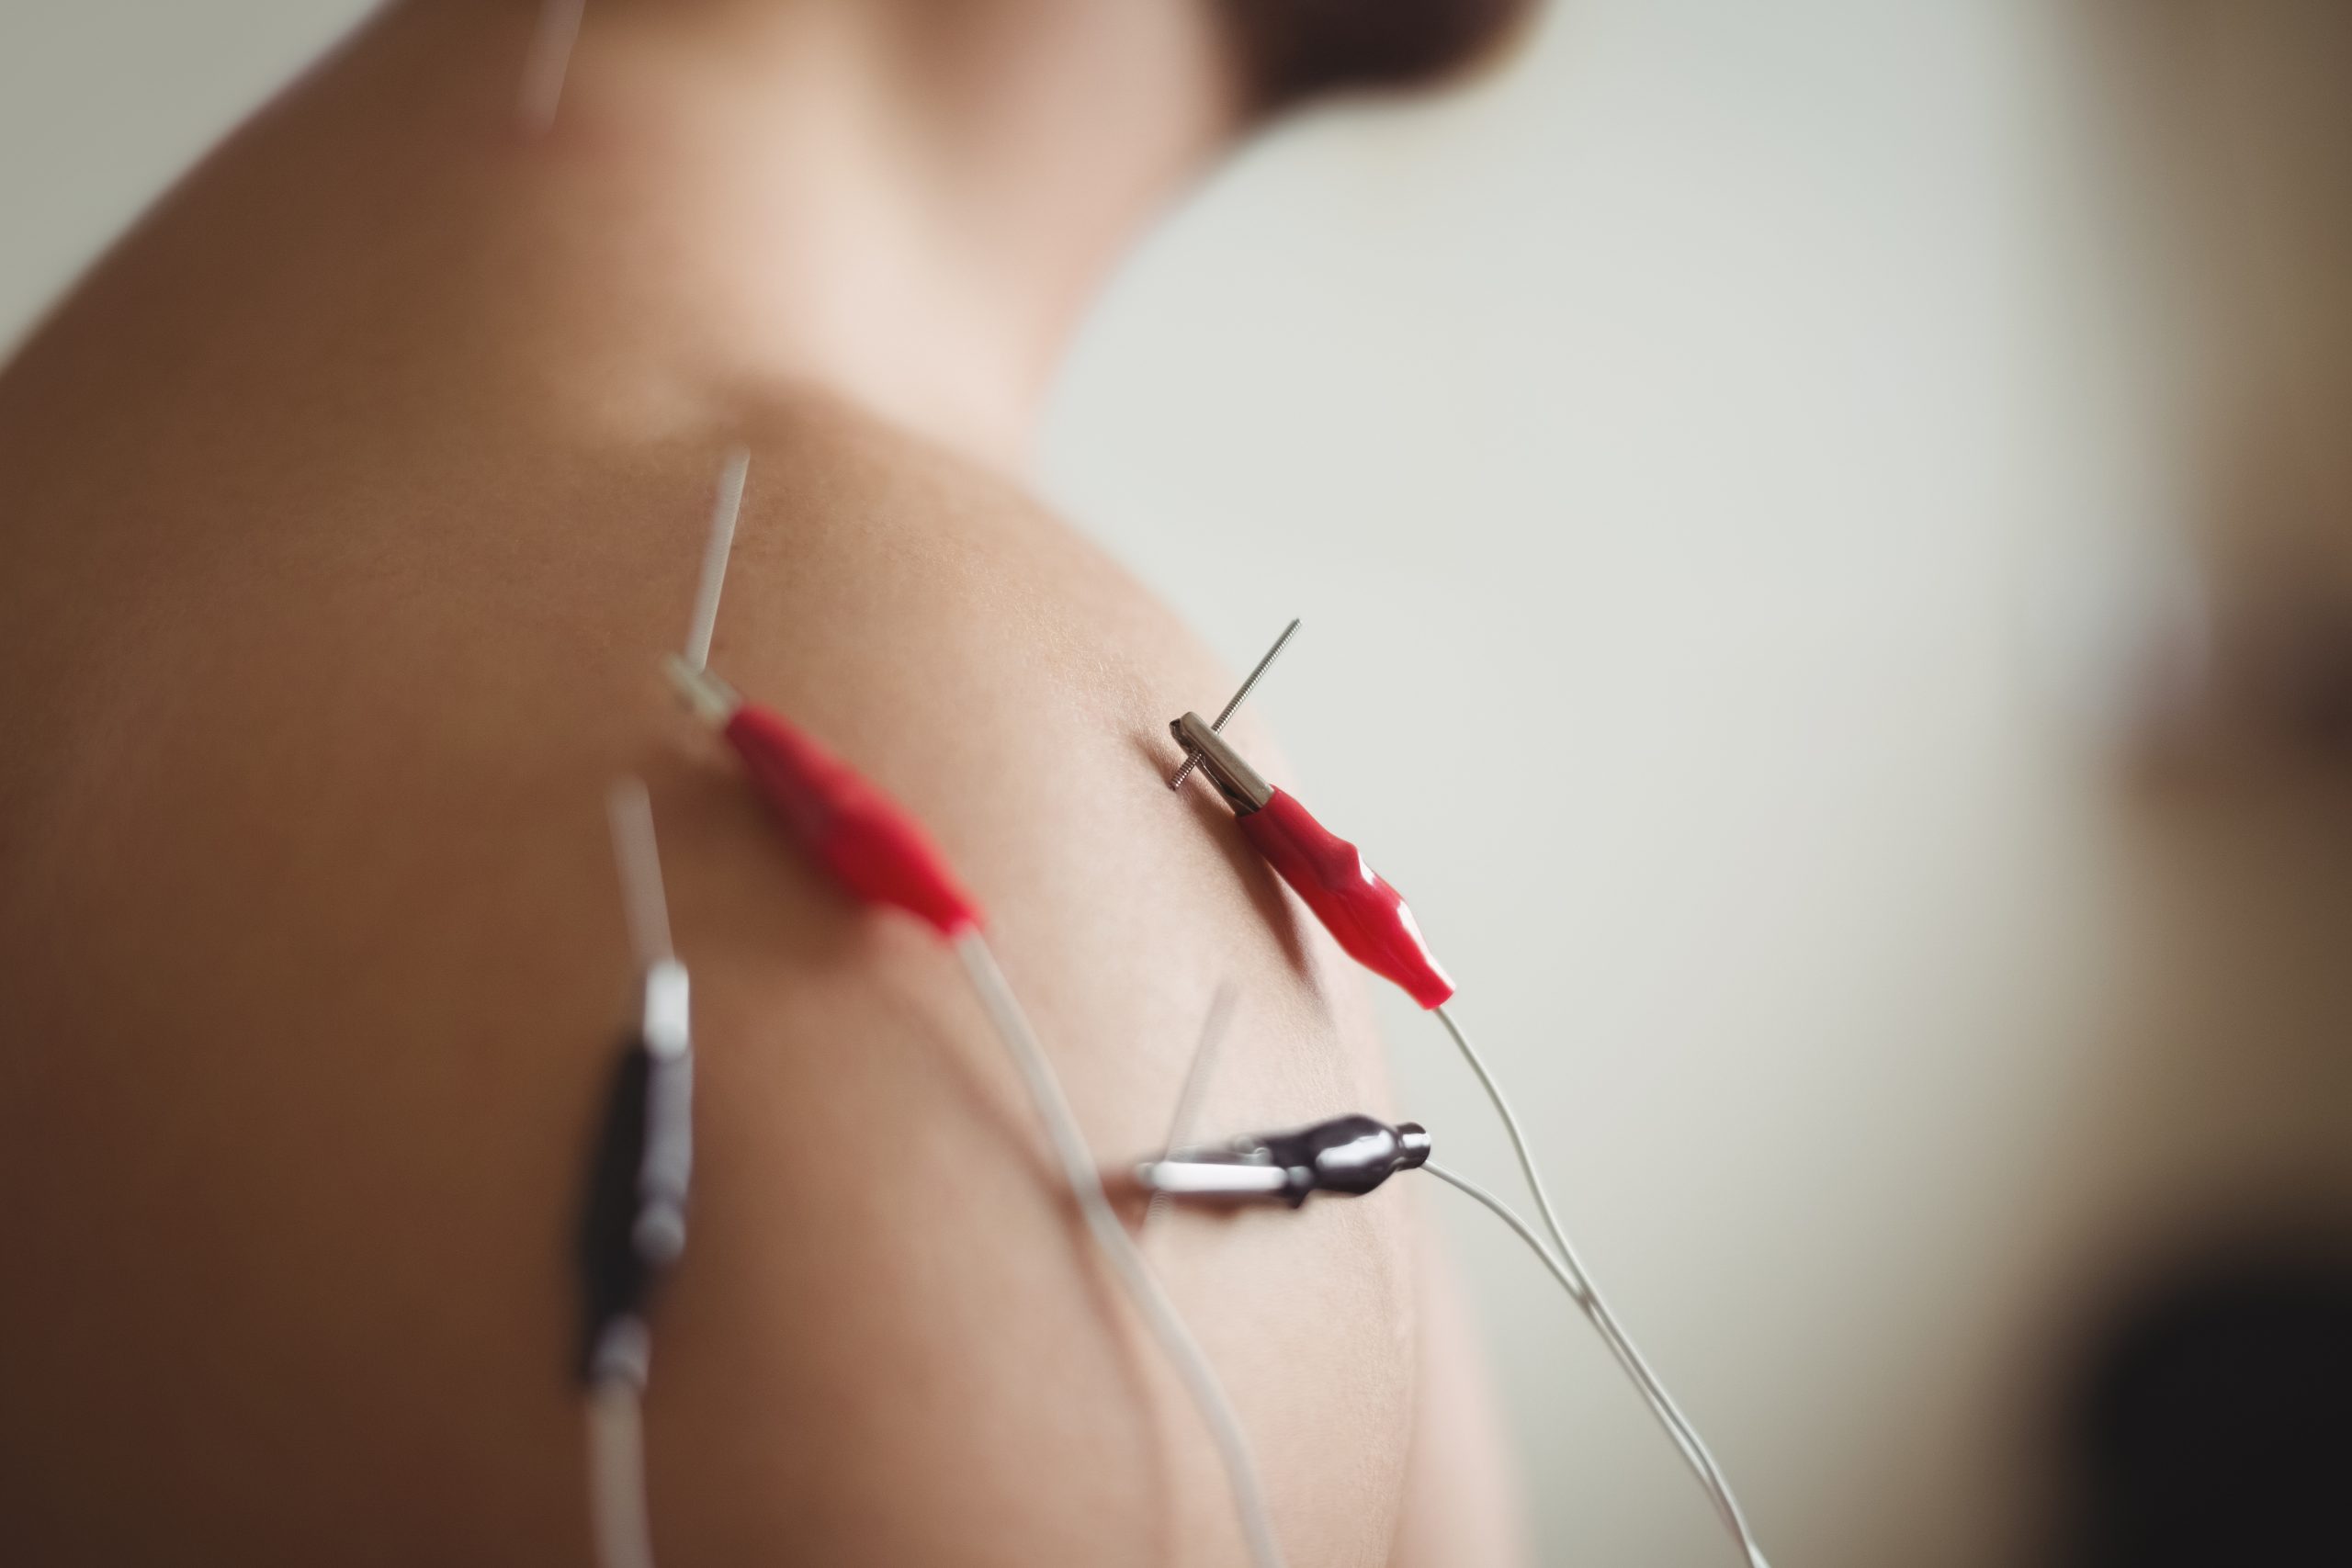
1195,1090
1192,759
630,810
714,557
1271,654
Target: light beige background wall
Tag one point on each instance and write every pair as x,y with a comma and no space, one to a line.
1671,447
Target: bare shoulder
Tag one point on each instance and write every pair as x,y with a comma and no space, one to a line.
313,943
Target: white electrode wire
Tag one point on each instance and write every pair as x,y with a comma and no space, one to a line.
1118,1248
724,512
548,62
1678,1426
1570,1271
617,1507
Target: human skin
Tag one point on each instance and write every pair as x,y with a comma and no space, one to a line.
349,505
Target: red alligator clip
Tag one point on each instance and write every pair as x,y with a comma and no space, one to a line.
868,843
1367,917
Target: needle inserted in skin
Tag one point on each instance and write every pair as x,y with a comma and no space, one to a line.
1193,759
630,810
714,557
550,61
1197,1087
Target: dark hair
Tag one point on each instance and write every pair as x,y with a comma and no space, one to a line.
1291,51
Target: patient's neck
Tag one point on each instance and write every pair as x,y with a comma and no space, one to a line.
909,204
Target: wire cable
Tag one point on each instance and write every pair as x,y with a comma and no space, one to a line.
881,858
1569,1270
617,1514
1118,1248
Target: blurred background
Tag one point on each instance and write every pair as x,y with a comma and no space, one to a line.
1734,467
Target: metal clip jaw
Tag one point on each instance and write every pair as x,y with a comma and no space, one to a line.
1195,1173
706,696
1347,1154
1243,788
662,1025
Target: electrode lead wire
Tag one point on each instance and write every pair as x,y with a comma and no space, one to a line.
1569,1270
1119,1249
618,1515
